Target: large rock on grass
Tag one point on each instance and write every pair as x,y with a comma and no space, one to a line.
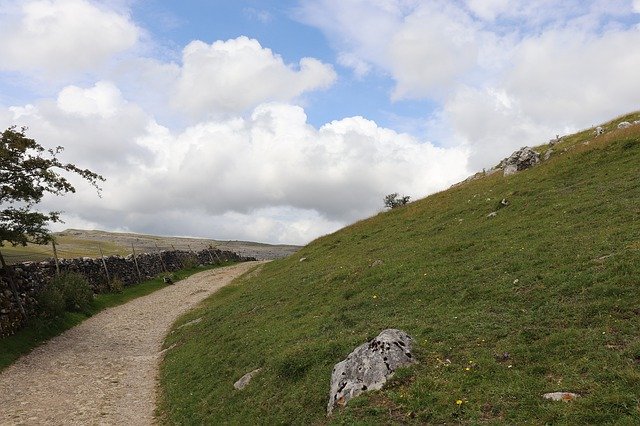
520,160
369,366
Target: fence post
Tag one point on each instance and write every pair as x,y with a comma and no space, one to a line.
208,249
164,267
215,251
193,255
14,289
177,257
55,256
135,260
106,270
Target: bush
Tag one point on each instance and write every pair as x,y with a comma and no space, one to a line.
190,262
115,286
393,200
50,302
77,294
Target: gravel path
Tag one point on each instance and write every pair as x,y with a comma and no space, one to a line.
104,370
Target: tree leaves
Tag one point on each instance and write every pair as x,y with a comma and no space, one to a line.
27,172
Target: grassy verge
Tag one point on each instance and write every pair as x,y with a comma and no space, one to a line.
542,297
39,331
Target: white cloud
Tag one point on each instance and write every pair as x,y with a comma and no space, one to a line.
433,48
270,176
61,36
505,74
235,75
636,6
97,127
489,9
104,100
274,158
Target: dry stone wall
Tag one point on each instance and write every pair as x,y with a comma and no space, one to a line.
31,277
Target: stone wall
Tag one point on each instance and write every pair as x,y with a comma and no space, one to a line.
31,277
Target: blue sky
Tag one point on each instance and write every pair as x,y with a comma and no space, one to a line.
280,121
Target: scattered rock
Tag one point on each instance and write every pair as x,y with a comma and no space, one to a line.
302,259
492,214
522,159
369,366
505,356
192,322
244,380
167,280
376,263
599,131
561,396
635,123
624,125
547,154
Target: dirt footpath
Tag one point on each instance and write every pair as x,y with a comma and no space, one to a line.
104,370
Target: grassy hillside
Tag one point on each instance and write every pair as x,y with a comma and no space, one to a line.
543,297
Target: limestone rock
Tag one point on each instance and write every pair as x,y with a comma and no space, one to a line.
244,380
520,160
547,154
369,366
561,396
492,214
624,125
599,131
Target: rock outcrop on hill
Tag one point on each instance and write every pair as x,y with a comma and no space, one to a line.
369,366
522,159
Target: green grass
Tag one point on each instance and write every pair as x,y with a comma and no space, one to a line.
553,280
39,330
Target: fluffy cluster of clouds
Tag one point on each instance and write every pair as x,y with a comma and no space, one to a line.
268,175
506,73
215,143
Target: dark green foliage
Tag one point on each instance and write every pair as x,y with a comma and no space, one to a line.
27,172
75,291
68,292
190,262
393,200
51,302
115,285
552,282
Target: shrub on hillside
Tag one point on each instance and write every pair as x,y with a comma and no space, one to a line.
190,263
115,286
50,302
77,294
394,200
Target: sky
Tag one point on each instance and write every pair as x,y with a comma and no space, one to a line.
283,120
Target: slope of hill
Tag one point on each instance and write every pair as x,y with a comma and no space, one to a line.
542,297
79,243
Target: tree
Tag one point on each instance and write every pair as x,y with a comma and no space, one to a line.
393,200
28,172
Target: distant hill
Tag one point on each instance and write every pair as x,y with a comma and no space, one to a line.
79,243
505,303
